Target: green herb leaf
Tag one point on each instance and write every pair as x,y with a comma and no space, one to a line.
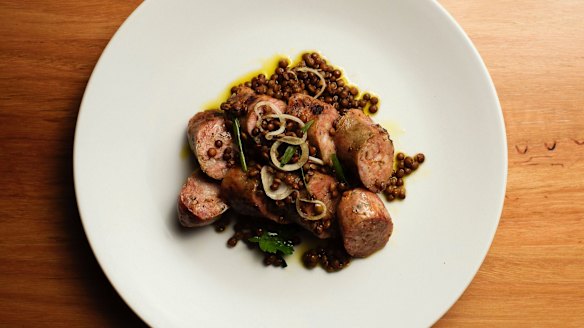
236,131
338,168
287,155
307,126
271,242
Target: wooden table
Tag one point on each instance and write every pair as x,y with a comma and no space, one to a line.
533,275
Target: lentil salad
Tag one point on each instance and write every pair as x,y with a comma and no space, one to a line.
292,150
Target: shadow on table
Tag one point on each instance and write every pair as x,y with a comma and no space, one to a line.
97,287
100,295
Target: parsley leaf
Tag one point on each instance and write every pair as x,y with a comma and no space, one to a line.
271,242
288,154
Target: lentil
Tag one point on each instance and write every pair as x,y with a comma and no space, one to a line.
402,193
401,173
405,165
318,208
231,242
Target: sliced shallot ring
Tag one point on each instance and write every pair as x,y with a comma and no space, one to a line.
317,73
293,140
275,109
292,72
283,190
289,139
315,160
288,117
289,167
306,216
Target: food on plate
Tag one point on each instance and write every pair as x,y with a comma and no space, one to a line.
246,196
296,151
364,222
262,103
211,143
323,187
365,148
323,116
199,201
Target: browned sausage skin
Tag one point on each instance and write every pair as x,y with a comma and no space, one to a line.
204,129
241,193
199,202
365,148
308,108
364,222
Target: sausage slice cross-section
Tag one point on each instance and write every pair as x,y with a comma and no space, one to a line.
204,130
364,222
199,202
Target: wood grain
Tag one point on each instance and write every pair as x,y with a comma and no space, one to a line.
48,274
533,275
534,272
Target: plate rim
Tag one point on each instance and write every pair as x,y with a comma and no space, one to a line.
108,271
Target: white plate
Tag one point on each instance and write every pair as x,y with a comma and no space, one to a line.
172,56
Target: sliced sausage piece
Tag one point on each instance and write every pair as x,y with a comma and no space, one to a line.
250,120
364,222
319,185
199,202
204,129
243,194
241,98
308,108
305,107
365,148
319,134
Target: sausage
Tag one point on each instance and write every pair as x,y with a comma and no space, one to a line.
199,202
319,185
308,108
241,193
241,98
365,148
364,222
251,117
203,130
